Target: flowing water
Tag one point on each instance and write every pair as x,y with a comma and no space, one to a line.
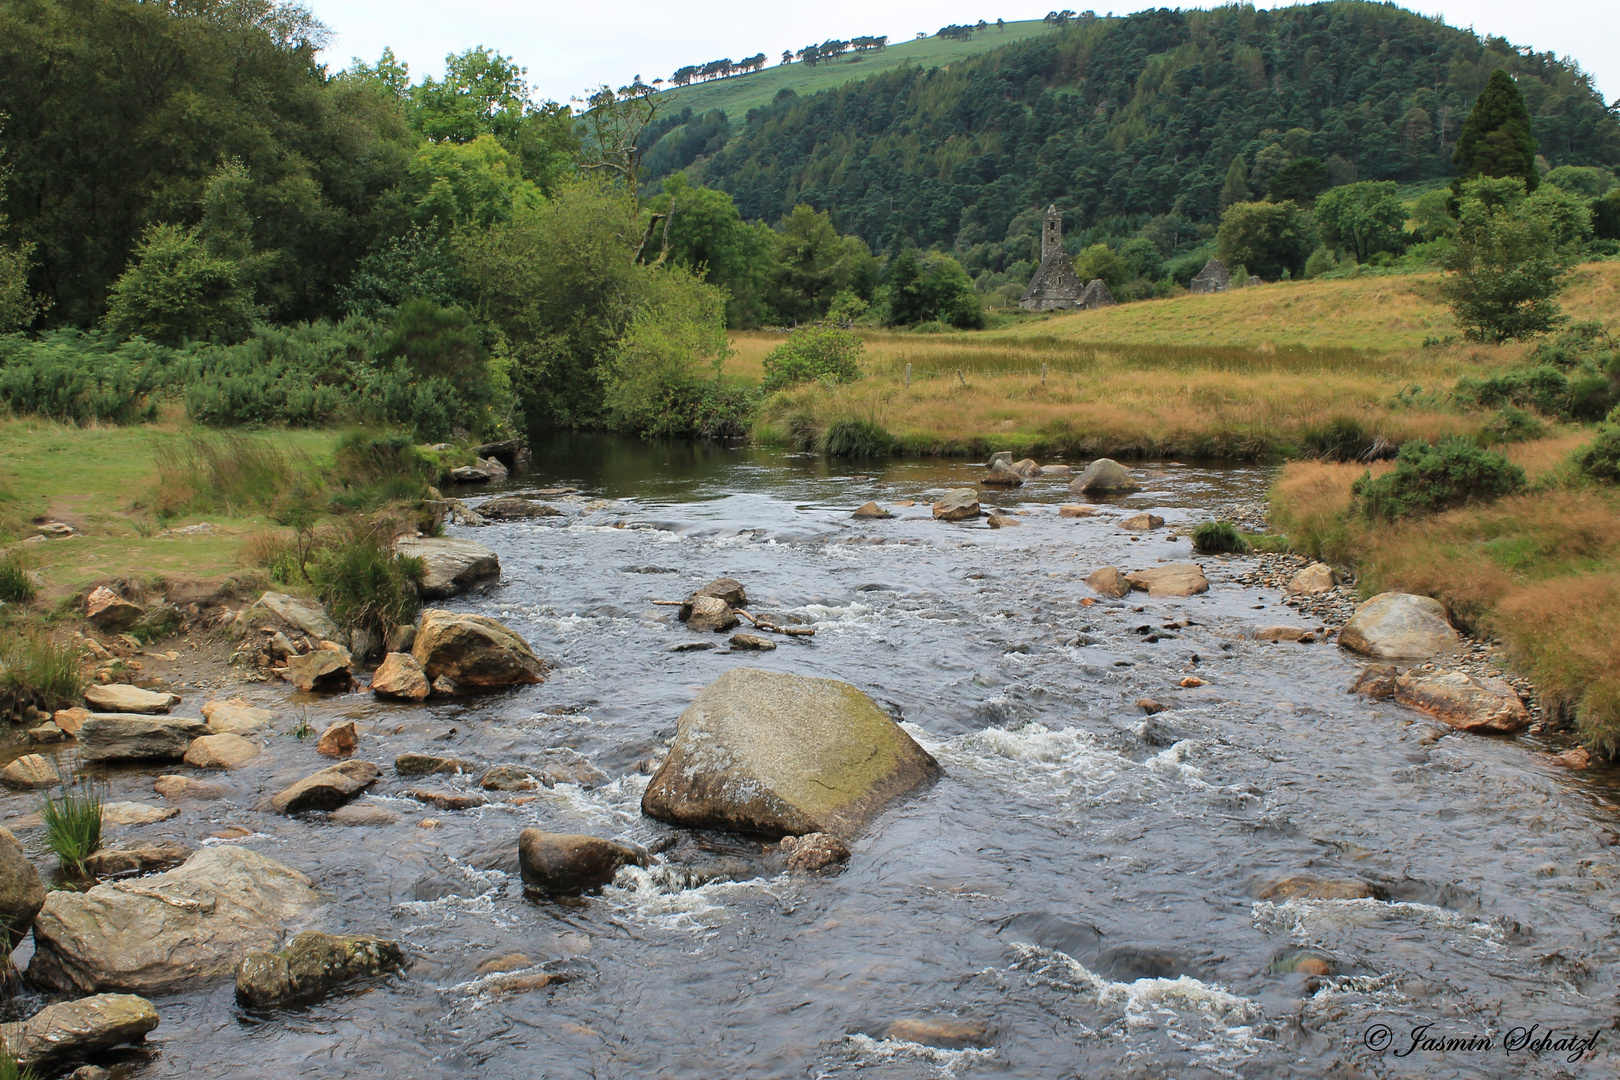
1083,881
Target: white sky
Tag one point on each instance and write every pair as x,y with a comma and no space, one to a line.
571,47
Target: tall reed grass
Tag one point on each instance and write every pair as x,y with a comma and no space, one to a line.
41,668
230,473
73,824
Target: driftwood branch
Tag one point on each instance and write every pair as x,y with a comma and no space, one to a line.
790,631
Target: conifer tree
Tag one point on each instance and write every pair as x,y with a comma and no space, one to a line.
1496,139
1236,188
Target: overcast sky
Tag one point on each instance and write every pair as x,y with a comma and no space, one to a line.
570,47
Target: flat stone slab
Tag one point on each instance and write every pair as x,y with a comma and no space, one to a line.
120,698
135,737
220,752
1176,579
327,789
1464,701
236,717
135,813
76,1028
280,609
450,566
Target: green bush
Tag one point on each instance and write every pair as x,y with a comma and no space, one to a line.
1340,439
16,586
364,584
811,353
73,824
82,377
1515,425
1429,478
853,438
1600,459
37,667
1218,537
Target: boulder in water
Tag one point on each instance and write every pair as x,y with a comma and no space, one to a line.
1142,522
871,510
1176,579
1002,474
323,671
132,737
1376,681
22,894
1394,626
767,752
313,965
235,717
72,1029
516,508
1105,476
220,752
1464,701
814,851
176,928
400,676
338,740
1027,468
474,652
327,789
958,505
30,772
709,614
450,566
140,859
571,863
120,698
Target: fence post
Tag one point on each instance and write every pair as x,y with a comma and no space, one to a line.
960,377
1043,374
908,376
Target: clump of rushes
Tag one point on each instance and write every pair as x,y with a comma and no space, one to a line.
73,824
15,585
40,668
363,583
1218,537
12,1069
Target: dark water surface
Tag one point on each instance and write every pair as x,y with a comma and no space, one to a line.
1084,881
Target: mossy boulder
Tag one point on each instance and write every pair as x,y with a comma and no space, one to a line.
777,754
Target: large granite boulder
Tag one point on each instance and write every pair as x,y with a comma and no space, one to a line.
474,652
282,612
778,754
958,505
1397,626
1466,702
327,789
450,566
169,930
111,613
120,697
1001,474
570,863
311,966
22,894
132,737
1176,579
1105,476
322,671
72,1029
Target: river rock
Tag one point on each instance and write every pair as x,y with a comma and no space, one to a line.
1027,468
515,508
72,1029
474,652
1464,701
1002,474
47,733
728,589
311,966
139,859
121,698
323,671
1000,521
508,778
814,851
328,789
871,510
400,639
220,752
132,737
70,720
941,1034
1314,580
767,752
30,772
185,787
111,613
1376,681
1142,522
470,474
958,505
1104,476
1003,456
135,813
338,740
169,930
571,863
709,614
22,894
1176,579
428,764
1076,510
1285,633
401,677
354,814
450,566
1055,470
447,800
753,642
236,717
1393,626
1306,887
282,612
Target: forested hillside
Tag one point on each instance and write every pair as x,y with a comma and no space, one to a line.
1120,121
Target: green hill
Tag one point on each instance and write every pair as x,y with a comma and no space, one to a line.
736,94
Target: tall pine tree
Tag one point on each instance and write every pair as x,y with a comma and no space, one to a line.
1496,139
1236,188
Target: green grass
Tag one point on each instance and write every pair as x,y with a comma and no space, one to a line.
739,93
73,824
12,1069
41,668
16,586
1218,537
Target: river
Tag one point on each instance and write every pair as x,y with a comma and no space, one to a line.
1083,884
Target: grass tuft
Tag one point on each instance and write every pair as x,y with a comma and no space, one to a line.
73,824
41,668
16,587
1218,538
363,583
230,473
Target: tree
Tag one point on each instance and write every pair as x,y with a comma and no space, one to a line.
1099,261
817,263
1510,259
474,184
175,291
1496,139
439,343
708,235
614,122
1236,187
662,378
1265,238
933,288
1363,218
1300,181
17,305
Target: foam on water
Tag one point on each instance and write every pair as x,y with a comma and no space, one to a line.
656,895
1308,921
870,1051
1144,1003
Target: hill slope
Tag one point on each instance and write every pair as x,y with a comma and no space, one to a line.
1120,121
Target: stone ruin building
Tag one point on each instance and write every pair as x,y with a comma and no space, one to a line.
1214,277
1055,286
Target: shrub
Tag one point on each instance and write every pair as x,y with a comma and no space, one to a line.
16,586
82,377
850,437
1600,459
176,290
814,352
34,666
1218,537
1515,425
1339,439
73,824
363,583
1429,478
